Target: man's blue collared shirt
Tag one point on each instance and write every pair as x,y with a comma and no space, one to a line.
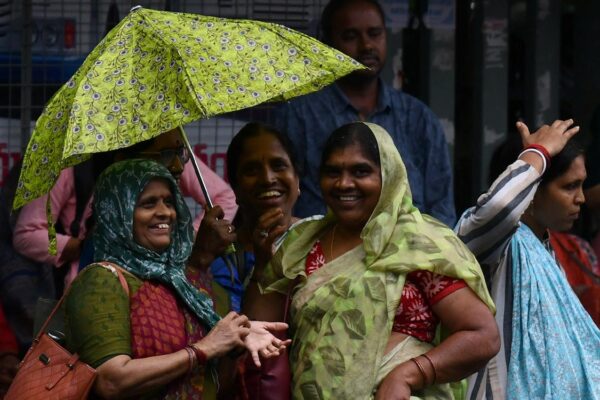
416,131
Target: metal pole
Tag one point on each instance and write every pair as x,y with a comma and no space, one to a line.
231,248
196,168
26,69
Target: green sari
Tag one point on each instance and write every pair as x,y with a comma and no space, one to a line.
342,314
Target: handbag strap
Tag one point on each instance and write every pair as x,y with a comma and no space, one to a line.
108,265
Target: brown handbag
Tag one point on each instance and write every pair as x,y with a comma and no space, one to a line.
49,371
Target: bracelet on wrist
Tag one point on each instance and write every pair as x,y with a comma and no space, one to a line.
432,368
421,370
542,150
192,359
539,153
200,355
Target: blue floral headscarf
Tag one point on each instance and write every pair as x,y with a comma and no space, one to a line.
116,195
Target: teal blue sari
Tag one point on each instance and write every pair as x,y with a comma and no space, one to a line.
555,352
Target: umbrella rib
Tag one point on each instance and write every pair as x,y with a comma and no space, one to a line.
168,45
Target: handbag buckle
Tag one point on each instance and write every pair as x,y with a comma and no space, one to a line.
44,359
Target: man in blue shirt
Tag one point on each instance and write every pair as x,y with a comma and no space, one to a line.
356,27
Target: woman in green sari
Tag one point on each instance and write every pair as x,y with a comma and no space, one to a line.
369,283
155,335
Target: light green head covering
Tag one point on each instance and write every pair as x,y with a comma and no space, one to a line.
116,195
342,315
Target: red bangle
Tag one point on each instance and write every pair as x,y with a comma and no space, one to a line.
543,150
200,355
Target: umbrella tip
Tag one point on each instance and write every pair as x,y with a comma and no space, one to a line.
135,8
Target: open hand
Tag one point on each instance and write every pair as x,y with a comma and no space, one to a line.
262,343
553,137
229,333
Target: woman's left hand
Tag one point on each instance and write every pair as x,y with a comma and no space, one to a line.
260,342
395,386
271,224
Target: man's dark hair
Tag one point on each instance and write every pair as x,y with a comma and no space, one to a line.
334,6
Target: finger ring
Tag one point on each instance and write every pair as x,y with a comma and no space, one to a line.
229,229
264,233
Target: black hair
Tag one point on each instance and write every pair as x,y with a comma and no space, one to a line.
333,7
562,161
347,135
509,150
248,131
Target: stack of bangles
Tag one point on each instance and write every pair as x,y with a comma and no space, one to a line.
426,381
541,151
196,357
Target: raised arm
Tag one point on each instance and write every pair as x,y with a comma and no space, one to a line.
488,227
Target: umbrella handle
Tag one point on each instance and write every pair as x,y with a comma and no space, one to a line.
231,248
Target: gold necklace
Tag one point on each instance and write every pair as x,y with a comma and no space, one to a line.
332,240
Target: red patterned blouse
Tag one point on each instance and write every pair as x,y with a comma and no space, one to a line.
421,291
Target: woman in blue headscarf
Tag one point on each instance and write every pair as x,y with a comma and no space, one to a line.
161,339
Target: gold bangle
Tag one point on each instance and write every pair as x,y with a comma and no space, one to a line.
432,367
418,364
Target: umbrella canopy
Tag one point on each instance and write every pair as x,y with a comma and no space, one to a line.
157,70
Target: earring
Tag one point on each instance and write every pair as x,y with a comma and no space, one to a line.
299,192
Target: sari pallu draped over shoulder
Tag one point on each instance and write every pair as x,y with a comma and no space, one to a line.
116,195
342,315
555,350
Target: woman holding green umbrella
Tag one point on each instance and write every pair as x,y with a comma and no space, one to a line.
31,230
162,339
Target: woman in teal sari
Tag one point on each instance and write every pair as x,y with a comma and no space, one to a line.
369,283
550,347
160,338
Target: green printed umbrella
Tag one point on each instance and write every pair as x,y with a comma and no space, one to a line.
157,70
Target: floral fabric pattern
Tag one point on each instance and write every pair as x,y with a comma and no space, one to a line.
421,290
342,315
555,349
157,70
